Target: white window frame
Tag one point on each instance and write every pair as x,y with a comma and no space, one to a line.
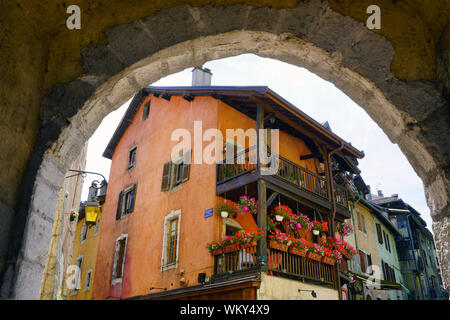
114,280
174,214
87,286
74,291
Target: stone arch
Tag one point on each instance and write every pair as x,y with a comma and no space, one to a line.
311,35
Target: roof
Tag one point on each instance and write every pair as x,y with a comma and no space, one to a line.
245,99
379,214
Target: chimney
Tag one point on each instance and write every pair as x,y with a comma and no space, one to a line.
395,196
380,193
201,77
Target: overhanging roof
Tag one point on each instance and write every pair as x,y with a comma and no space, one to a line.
245,99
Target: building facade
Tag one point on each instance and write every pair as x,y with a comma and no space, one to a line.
161,208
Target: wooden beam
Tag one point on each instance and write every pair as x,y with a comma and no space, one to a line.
310,156
271,199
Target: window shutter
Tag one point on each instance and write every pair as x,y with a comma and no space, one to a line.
369,263
119,206
358,216
134,197
186,165
380,237
362,261
166,176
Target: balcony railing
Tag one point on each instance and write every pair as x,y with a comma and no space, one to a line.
279,263
291,266
236,261
242,163
340,195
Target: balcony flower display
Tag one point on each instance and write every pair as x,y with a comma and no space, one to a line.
314,251
283,212
247,204
226,210
299,247
319,226
235,242
331,256
346,249
344,228
279,240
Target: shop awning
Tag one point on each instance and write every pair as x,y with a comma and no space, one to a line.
380,284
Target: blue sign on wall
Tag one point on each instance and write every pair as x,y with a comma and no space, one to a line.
208,213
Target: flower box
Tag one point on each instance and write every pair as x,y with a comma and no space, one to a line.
216,252
328,260
249,244
346,255
278,246
314,256
298,252
231,248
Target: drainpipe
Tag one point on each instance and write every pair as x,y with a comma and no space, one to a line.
333,209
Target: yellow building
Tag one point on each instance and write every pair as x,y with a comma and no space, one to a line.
80,276
366,262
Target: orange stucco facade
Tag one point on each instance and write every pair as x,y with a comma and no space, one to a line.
145,225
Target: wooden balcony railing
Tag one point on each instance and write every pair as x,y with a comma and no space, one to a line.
340,195
236,261
302,177
279,263
291,266
243,162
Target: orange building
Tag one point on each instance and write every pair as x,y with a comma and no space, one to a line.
161,212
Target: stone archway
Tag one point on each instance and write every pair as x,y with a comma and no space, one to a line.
311,35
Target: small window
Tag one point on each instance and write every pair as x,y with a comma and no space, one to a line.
172,241
97,226
126,201
77,276
176,172
84,232
380,237
119,258
132,158
87,285
361,222
146,111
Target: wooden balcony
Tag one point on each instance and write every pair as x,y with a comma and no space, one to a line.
281,264
242,169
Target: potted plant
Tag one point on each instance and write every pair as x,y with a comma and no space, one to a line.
319,226
346,250
73,215
282,212
214,248
247,204
226,210
301,224
344,228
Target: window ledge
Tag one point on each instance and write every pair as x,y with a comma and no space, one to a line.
169,266
116,281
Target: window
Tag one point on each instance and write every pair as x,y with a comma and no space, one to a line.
387,243
84,232
176,172
126,201
97,226
146,111
361,222
366,262
77,275
171,240
380,238
119,259
132,158
87,285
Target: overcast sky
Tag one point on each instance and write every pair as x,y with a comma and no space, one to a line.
384,166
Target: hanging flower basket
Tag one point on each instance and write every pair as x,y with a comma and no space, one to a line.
297,251
278,246
226,210
73,215
247,204
314,256
328,260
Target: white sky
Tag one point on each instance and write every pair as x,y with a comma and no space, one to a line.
384,166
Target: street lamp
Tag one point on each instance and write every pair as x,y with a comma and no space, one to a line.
93,207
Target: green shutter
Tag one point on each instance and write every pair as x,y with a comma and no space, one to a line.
166,176
186,165
119,206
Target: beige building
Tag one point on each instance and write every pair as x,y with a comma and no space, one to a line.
60,250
